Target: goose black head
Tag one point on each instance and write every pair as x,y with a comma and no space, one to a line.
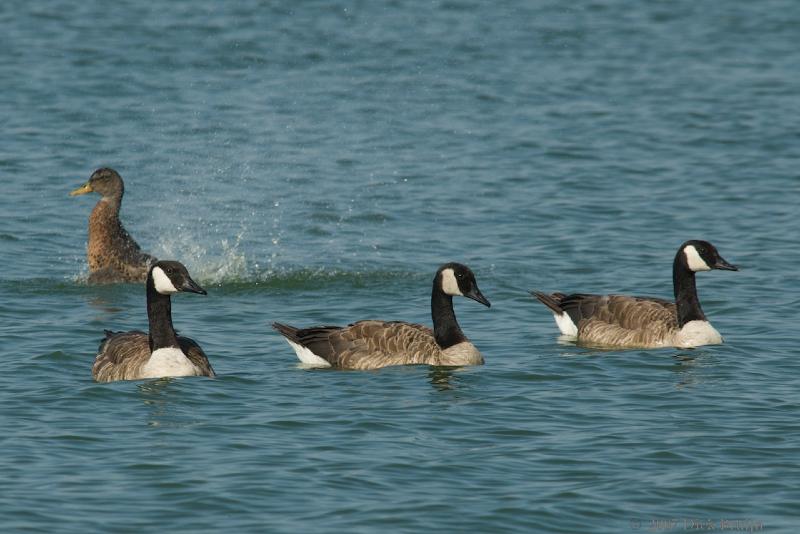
104,181
703,256
455,279
170,277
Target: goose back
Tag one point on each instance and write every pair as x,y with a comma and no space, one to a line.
612,320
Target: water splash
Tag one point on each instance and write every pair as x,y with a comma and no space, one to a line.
226,262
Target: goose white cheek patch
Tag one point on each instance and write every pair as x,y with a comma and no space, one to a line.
696,263
449,283
162,282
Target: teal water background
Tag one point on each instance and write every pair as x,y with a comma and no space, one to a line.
314,162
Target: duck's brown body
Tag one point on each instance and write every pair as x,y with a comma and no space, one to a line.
112,254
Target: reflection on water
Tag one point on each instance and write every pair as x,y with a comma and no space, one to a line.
156,388
567,340
156,395
442,378
104,308
687,369
589,348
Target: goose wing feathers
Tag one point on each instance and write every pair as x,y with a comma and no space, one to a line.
367,344
627,312
122,355
620,319
196,355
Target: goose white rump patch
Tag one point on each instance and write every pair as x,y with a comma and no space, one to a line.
307,357
565,324
170,361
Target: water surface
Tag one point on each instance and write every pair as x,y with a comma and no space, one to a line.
315,163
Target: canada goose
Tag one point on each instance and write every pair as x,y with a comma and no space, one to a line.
375,344
136,355
644,322
112,253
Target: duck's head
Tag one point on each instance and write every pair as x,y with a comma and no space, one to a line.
104,181
700,255
169,277
456,279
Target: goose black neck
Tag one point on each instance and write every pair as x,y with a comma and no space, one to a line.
686,300
159,315
445,327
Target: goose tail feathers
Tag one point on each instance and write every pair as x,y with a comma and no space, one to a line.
552,301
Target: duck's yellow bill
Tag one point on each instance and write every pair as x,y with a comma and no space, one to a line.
82,190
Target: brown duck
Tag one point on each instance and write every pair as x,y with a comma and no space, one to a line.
112,253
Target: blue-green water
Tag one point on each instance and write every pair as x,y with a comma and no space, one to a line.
315,162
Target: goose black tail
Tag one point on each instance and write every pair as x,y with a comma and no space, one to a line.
552,301
289,332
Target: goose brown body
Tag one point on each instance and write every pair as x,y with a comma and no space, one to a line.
614,320
123,355
375,344
644,322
